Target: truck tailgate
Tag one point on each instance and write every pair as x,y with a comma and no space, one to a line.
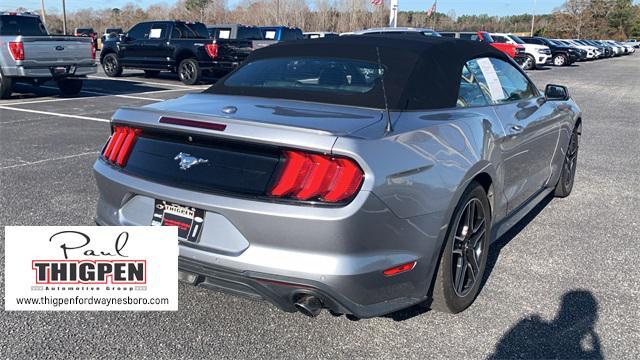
44,51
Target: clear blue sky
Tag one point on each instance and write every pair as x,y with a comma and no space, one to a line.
461,7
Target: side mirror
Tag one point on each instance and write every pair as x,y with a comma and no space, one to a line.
556,92
123,37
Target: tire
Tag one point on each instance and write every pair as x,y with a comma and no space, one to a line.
151,73
568,174
453,293
189,71
70,87
530,63
111,65
560,60
6,87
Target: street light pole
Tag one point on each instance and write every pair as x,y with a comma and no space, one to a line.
533,18
393,14
42,14
64,19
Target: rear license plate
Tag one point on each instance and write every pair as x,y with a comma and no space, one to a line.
189,220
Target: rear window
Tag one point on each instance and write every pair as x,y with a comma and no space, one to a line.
21,25
308,74
249,33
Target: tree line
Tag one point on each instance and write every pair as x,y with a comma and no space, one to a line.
609,19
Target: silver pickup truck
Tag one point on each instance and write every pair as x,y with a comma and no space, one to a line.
29,54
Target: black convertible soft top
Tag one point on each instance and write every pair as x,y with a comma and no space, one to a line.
420,72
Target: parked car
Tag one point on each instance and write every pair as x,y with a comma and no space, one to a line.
633,42
561,55
281,33
87,32
249,36
591,50
179,46
396,31
605,49
357,174
111,32
517,52
537,55
319,34
29,54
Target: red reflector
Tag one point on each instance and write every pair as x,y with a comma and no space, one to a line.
294,173
347,181
193,123
400,269
212,50
16,48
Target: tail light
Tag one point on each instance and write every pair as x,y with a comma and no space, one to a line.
120,144
93,51
308,176
16,48
212,50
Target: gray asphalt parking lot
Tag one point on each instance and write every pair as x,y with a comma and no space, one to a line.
563,283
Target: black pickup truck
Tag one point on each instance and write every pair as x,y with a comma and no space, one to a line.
182,47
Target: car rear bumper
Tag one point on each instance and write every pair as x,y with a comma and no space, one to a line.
46,71
277,252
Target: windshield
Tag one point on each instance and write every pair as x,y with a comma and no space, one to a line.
308,74
516,39
22,25
249,33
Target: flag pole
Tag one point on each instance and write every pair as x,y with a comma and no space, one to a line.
393,14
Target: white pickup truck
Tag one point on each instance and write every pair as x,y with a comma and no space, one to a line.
29,54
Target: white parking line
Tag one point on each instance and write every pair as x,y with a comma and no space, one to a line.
147,82
55,114
93,97
50,159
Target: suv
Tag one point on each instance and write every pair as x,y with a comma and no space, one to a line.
561,55
29,54
536,55
178,46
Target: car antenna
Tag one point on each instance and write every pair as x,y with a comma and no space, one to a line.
389,127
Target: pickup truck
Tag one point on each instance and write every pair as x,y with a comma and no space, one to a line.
516,52
239,36
29,54
281,33
177,46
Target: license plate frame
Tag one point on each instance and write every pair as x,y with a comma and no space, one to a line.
188,219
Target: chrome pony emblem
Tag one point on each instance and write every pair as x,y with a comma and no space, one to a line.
187,161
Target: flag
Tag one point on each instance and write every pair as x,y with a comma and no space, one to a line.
432,9
377,2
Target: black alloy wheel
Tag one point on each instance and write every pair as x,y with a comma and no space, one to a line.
568,174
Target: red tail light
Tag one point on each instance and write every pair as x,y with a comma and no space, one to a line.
120,144
93,51
16,48
309,176
212,50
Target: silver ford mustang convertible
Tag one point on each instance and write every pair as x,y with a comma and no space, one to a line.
361,174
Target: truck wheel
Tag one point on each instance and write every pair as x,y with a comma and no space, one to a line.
70,86
6,86
189,71
111,65
151,73
529,63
